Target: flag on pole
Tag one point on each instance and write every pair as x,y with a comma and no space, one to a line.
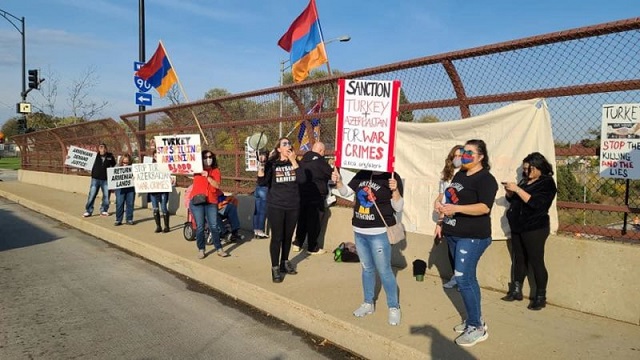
304,143
158,71
304,43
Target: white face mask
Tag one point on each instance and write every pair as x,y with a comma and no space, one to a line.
208,162
457,162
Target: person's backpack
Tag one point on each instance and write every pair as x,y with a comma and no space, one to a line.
346,252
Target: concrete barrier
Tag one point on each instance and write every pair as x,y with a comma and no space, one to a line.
592,276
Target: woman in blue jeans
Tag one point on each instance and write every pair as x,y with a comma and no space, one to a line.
125,197
159,204
466,224
262,186
370,233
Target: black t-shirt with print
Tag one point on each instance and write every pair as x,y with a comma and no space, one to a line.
480,187
283,182
368,188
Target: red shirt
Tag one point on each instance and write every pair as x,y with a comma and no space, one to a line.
201,185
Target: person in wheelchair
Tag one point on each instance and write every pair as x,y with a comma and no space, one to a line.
228,215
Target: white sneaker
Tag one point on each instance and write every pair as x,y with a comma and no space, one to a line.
319,252
460,328
394,316
364,310
86,214
104,213
201,254
295,248
451,283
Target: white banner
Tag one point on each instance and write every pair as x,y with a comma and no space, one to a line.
180,153
119,177
80,158
151,178
620,141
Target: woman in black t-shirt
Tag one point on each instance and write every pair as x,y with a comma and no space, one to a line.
528,218
370,233
466,224
282,175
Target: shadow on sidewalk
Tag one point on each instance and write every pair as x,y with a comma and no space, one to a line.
441,347
438,257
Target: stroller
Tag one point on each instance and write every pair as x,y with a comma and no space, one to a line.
224,227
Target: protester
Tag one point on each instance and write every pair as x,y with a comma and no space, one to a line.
370,233
159,203
103,161
313,193
451,165
206,183
125,197
282,174
228,209
528,218
260,193
466,224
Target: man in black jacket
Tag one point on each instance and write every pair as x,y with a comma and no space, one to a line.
103,161
313,195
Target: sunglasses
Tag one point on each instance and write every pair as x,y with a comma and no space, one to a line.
208,157
285,143
468,152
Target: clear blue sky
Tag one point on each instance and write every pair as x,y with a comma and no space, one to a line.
232,44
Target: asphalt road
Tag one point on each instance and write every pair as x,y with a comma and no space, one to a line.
67,295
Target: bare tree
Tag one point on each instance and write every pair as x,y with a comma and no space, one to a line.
173,95
82,106
48,92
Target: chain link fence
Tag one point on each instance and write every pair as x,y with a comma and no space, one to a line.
577,71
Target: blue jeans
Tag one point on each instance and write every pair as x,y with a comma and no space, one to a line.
375,254
124,200
159,199
466,254
97,184
208,212
230,211
260,212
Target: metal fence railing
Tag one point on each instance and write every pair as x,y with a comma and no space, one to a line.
576,71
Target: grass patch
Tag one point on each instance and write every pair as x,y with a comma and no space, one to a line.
11,163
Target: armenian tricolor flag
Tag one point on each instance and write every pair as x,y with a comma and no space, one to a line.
305,43
158,71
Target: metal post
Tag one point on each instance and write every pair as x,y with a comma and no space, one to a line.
282,62
142,120
24,64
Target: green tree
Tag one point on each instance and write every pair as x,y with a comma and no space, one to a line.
406,116
568,187
10,128
427,119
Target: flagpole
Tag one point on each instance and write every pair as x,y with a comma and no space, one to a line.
322,38
184,93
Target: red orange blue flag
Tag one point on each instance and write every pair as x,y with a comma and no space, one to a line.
304,142
158,71
305,43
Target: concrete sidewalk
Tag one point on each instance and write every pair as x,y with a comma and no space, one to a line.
322,296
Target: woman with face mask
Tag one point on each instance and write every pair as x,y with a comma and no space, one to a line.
207,182
466,224
528,218
451,166
282,175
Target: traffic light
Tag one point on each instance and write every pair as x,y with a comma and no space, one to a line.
34,79
22,124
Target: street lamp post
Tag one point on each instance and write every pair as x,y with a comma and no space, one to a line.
343,38
13,19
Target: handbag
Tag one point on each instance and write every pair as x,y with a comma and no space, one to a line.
199,199
395,233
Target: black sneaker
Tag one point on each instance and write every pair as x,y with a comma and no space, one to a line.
276,276
235,237
288,268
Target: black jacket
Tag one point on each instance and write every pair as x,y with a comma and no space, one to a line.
532,215
99,170
318,173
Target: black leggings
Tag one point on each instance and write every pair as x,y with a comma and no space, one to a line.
282,223
528,249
